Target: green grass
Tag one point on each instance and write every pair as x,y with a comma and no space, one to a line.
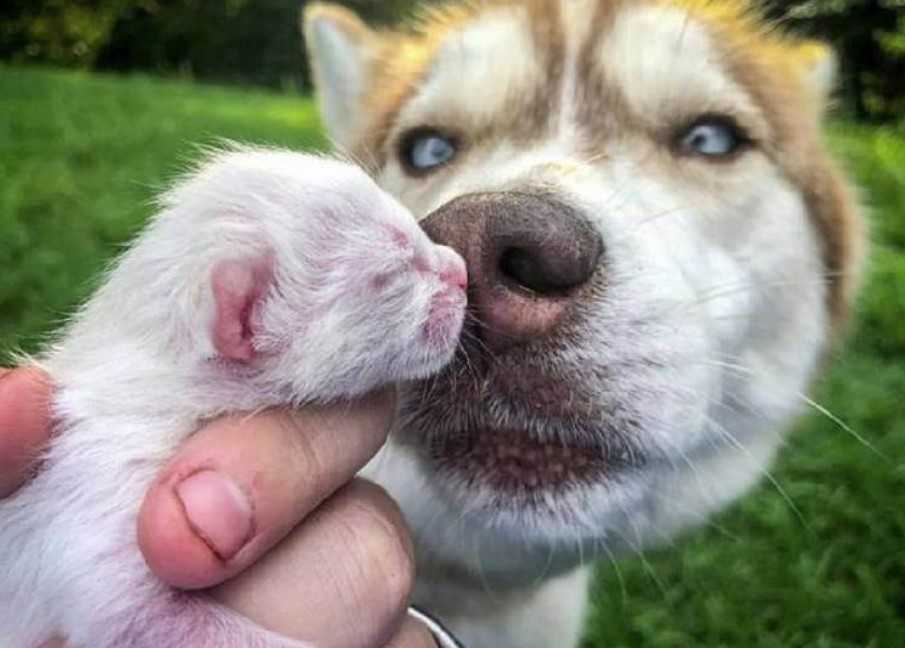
80,157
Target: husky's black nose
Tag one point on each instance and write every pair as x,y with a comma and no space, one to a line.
529,258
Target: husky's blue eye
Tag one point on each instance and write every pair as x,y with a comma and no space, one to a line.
713,137
426,150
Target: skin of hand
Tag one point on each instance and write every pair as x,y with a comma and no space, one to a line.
266,512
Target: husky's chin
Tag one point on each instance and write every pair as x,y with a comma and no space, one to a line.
519,437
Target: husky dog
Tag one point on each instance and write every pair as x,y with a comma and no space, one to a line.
660,253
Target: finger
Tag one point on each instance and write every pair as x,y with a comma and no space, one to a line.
24,424
342,579
240,485
413,634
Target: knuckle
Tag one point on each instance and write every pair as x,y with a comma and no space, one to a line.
382,546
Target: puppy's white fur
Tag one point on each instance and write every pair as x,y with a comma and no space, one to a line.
344,293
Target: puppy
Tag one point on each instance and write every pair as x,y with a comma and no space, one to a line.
268,279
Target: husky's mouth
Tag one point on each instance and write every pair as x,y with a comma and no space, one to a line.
512,428
515,462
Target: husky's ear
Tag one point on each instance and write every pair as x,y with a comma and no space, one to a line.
820,68
341,50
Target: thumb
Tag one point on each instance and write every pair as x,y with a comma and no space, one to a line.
24,423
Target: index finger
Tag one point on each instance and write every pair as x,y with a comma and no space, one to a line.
240,485
24,423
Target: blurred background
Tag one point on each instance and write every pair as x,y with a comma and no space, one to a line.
257,41
103,102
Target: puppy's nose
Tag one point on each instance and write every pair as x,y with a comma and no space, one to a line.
529,258
452,268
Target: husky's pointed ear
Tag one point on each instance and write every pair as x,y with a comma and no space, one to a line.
341,51
820,68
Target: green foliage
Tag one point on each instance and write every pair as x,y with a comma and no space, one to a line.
81,156
250,41
58,31
870,38
258,41
893,43
877,157
244,41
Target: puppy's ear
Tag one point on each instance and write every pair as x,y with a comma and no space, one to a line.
341,50
238,288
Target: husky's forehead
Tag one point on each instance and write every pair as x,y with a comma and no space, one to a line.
510,68
479,74
647,65
665,68
584,73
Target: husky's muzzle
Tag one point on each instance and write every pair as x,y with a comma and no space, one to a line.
530,258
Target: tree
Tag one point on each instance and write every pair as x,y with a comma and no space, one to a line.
258,41
869,36
250,41
64,32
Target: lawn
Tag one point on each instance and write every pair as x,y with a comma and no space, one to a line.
819,563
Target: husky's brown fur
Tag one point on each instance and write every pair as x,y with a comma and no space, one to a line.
772,65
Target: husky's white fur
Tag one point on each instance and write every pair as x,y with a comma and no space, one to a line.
724,280
268,279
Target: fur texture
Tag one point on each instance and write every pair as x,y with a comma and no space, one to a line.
722,284
268,279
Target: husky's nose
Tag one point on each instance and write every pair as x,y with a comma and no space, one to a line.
529,258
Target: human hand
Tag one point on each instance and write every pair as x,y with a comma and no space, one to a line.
264,510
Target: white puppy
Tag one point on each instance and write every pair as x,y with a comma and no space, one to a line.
269,278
